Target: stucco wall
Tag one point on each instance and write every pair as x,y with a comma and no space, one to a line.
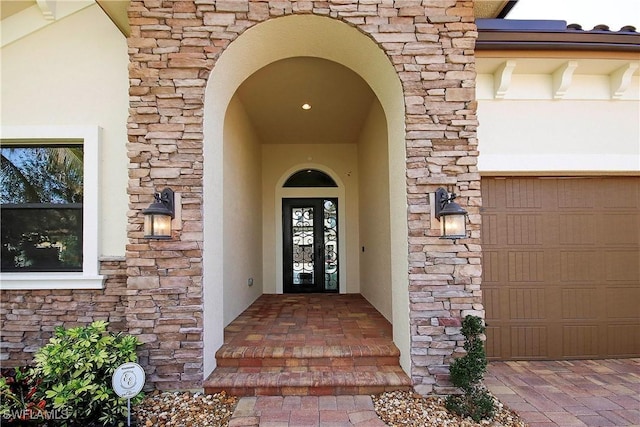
242,212
569,136
375,257
74,73
540,126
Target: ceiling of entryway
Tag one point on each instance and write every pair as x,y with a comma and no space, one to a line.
273,97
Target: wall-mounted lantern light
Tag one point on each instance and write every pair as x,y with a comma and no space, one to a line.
453,219
158,216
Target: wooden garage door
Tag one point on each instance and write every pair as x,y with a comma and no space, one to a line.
561,266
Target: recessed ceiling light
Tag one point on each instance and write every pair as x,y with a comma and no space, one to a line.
306,106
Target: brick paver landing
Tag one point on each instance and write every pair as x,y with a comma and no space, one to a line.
308,344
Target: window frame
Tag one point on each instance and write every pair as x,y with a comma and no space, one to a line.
89,277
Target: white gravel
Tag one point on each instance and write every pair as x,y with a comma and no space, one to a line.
185,410
403,408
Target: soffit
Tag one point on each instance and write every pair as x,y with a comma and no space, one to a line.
273,97
117,12
25,17
9,8
488,8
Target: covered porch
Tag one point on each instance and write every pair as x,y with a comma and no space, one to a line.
308,344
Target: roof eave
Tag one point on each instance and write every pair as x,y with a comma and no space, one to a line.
564,40
117,11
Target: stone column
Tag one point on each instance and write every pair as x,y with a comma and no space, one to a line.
167,70
442,150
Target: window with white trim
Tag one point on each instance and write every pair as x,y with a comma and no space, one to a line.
41,186
49,208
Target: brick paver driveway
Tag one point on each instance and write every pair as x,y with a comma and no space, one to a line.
570,393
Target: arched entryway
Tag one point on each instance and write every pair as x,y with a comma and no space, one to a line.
241,182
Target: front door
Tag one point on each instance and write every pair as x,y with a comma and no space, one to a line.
310,244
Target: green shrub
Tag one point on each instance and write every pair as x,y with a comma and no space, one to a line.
75,370
467,373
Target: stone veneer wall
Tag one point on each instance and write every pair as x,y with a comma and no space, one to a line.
28,318
173,47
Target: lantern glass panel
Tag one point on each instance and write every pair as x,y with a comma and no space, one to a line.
157,226
453,226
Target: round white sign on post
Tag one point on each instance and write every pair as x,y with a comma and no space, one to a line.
128,380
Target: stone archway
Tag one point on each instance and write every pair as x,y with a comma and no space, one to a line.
187,59
291,36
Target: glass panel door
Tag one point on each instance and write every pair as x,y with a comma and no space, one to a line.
310,244
302,239
330,234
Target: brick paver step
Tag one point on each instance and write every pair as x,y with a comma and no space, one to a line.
321,362
233,351
307,383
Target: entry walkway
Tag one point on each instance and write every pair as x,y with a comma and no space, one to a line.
590,393
305,411
569,393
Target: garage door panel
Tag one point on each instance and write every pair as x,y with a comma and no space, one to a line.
494,341
561,267
620,228
490,229
526,266
492,189
491,266
525,229
576,193
523,193
528,342
621,265
527,303
620,193
577,229
579,303
493,306
622,302
623,340
581,341
580,266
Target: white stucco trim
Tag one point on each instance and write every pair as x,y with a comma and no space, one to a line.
586,78
288,193
31,281
89,278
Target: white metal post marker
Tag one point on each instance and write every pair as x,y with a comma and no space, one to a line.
127,381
